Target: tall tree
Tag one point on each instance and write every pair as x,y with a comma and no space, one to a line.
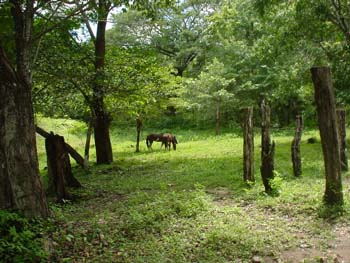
20,186
101,117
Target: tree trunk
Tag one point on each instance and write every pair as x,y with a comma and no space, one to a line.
248,145
324,97
295,147
217,119
103,145
342,138
267,149
138,131
87,146
20,185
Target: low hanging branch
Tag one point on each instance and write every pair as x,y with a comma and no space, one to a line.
75,155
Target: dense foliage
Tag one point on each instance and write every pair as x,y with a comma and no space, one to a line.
20,240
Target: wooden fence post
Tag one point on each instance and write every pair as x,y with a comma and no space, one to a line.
138,131
248,145
342,138
325,104
267,149
295,147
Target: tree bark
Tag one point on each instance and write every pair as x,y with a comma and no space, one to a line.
342,138
138,131
104,154
295,147
248,145
267,149
325,103
20,185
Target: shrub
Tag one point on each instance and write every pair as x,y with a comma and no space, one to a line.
19,239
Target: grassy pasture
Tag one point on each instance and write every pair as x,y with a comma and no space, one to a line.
188,205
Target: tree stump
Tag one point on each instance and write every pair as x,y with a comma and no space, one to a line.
59,168
325,104
267,149
248,145
295,147
342,138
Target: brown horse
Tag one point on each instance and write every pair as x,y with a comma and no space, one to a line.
165,138
169,139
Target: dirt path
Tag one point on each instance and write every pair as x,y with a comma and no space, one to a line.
338,250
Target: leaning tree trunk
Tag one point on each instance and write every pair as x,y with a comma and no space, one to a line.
267,149
73,153
342,138
102,119
295,147
20,185
248,145
324,97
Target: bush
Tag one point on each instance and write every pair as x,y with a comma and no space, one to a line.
19,239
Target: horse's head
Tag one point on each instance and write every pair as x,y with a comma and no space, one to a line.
174,141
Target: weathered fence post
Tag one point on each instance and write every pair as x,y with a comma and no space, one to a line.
295,147
342,138
59,168
267,149
325,103
138,131
248,145
87,145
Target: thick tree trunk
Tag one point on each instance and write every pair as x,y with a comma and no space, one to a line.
267,149
20,185
324,97
342,138
295,147
138,131
104,154
248,145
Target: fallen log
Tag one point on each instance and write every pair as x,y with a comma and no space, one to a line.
75,155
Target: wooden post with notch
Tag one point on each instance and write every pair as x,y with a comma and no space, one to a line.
267,149
342,138
248,145
295,147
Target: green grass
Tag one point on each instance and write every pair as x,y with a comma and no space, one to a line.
188,205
